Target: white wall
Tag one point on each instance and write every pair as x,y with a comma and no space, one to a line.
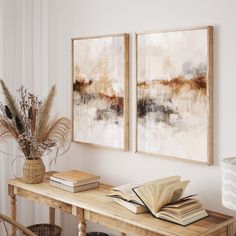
63,19
69,19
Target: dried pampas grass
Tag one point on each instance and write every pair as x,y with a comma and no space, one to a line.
9,99
44,112
59,131
27,120
7,130
12,106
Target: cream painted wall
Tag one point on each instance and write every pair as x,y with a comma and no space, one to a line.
69,19
53,23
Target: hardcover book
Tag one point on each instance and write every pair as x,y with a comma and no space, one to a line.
71,184
134,207
183,213
74,177
164,200
126,193
74,189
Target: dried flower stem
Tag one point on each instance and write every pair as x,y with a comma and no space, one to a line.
33,117
12,104
44,114
30,125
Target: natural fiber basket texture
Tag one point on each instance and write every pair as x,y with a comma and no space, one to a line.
33,171
46,229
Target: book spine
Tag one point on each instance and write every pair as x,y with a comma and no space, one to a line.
143,202
74,189
61,186
75,179
62,181
71,184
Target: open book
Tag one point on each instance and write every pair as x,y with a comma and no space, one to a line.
163,198
134,207
125,196
126,193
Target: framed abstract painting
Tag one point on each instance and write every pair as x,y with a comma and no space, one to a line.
174,94
100,71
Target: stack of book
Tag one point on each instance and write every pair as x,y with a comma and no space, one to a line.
74,180
163,198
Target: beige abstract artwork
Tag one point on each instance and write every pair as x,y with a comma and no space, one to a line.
174,94
99,90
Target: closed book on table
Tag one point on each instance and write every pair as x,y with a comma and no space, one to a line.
71,184
134,207
75,176
74,189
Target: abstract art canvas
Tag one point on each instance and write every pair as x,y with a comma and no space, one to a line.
174,94
100,90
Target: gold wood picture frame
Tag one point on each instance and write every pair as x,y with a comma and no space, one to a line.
174,94
100,74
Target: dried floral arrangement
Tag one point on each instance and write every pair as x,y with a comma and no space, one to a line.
27,120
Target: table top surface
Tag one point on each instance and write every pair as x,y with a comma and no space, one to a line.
95,200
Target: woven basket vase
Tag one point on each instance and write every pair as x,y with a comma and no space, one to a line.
33,171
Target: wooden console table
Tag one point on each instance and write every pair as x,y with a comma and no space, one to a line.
95,206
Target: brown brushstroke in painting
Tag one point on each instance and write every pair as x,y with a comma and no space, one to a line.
148,104
99,90
198,83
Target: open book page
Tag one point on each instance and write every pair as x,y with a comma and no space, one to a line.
182,202
170,193
151,192
182,207
125,192
185,216
183,220
182,211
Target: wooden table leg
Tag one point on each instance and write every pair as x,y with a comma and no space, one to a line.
51,215
81,223
230,229
12,199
